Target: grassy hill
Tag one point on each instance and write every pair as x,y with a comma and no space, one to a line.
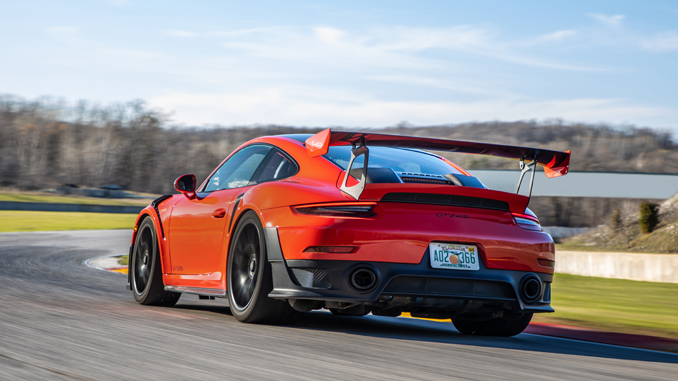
625,235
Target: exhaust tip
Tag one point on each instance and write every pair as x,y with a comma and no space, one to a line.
363,279
530,288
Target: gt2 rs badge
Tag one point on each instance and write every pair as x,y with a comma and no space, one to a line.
451,215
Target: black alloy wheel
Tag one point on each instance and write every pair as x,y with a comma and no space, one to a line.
250,276
244,270
145,269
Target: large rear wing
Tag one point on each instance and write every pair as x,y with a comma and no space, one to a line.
555,163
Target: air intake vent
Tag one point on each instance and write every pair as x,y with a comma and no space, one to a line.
445,199
311,277
424,181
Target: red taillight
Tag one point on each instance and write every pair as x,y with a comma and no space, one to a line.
329,249
527,221
343,209
546,263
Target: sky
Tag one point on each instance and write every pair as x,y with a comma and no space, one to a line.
351,63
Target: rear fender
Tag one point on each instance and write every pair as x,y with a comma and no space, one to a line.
247,203
294,192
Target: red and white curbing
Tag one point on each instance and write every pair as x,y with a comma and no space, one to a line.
108,263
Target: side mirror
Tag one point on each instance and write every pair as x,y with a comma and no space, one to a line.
186,185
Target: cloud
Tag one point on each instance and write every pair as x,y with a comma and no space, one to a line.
402,47
117,3
282,106
663,43
322,47
419,39
131,54
328,35
62,31
181,33
557,36
461,85
65,34
612,20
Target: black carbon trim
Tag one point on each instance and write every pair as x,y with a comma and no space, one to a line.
235,206
129,274
214,292
281,274
155,204
446,199
439,286
160,199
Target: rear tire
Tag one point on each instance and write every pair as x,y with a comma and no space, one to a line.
495,327
145,269
250,278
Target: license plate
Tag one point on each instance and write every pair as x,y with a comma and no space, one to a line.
453,257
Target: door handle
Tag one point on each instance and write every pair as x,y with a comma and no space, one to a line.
219,213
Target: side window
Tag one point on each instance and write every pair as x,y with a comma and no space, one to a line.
277,167
238,170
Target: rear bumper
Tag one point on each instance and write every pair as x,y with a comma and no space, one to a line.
401,233
328,280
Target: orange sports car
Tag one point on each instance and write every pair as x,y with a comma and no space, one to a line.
356,223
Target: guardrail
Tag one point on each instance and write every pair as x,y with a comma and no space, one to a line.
633,266
658,186
56,207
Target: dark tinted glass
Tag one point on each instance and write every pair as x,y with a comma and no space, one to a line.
399,160
277,167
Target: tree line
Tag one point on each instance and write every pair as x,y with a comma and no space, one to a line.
45,144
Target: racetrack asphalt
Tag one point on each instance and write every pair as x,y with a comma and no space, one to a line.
60,319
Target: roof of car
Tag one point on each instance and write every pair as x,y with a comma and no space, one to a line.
299,137
302,138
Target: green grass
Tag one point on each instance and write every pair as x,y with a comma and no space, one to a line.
23,221
124,260
658,242
34,197
614,305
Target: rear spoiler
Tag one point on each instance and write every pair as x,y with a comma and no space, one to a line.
555,163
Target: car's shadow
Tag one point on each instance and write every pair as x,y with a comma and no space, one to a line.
444,332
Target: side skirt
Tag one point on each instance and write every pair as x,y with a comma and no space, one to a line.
198,291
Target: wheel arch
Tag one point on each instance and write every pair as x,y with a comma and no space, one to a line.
240,212
162,246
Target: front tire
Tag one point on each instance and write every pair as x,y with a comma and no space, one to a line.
250,277
495,327
145,269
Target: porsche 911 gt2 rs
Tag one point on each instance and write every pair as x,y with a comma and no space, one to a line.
356,223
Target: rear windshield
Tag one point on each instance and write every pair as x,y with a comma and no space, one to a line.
400,160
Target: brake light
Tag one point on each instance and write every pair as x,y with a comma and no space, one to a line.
546,263
527,221
339,209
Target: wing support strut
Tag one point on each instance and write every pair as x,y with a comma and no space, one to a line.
359,148
524,168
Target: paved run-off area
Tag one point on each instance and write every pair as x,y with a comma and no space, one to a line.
63,320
